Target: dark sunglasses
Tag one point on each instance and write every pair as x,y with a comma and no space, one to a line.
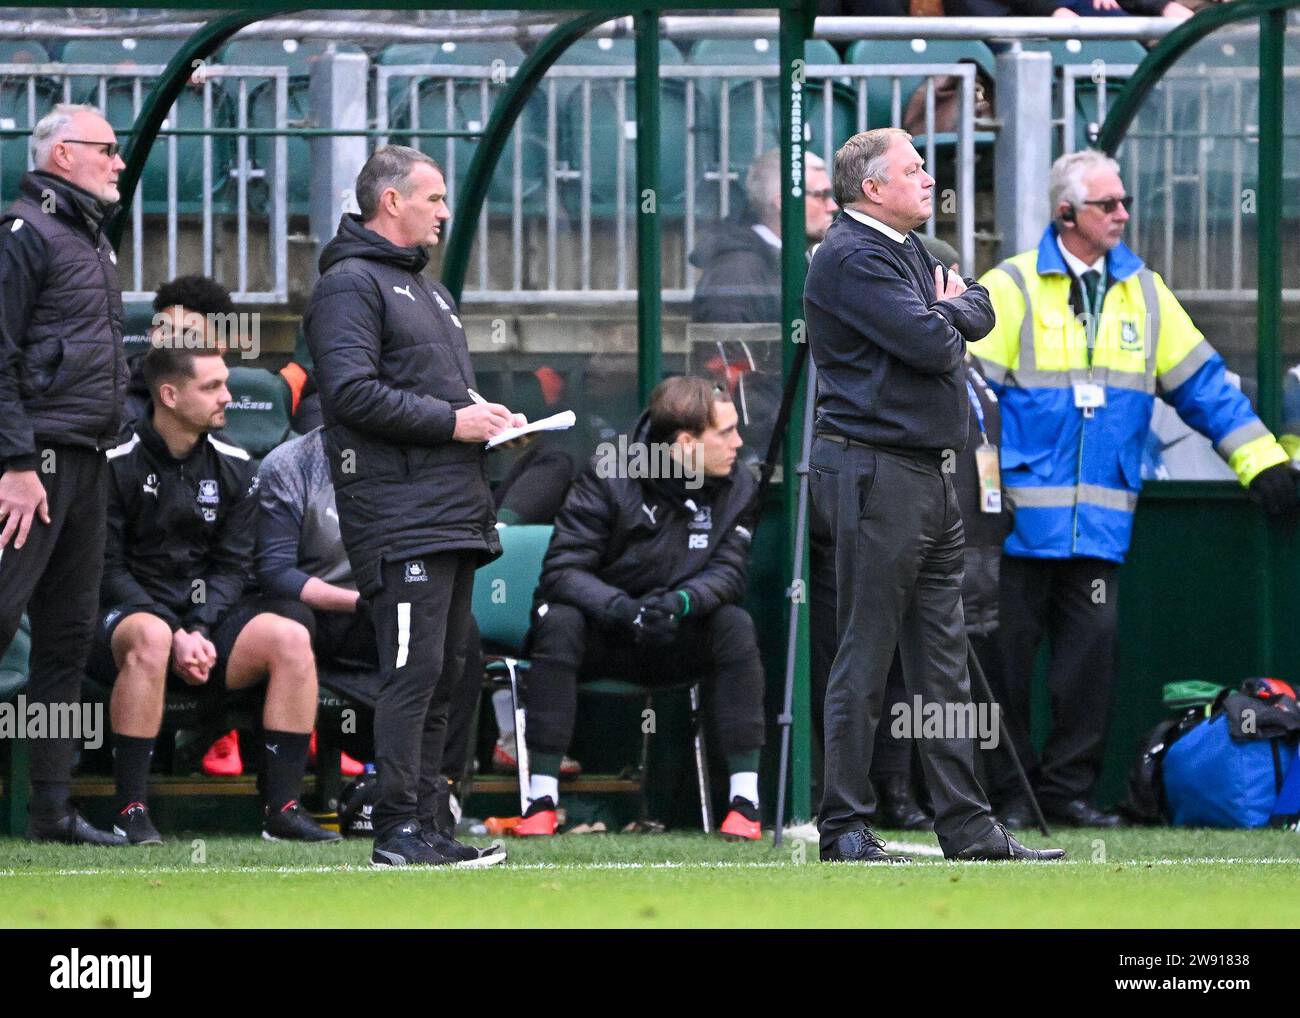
111,148
1109,205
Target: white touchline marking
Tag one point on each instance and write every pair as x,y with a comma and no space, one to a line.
365,867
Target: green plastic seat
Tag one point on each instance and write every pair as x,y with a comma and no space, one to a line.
258,415
503,589
607,132
749,134
502,606
298,58
13,107
878,52
467,113
14,663
1087,53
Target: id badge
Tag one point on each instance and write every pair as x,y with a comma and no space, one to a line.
986,465
1089,395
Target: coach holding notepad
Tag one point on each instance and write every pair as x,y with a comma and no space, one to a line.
888,327
405,446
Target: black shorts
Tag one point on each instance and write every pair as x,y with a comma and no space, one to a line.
103,669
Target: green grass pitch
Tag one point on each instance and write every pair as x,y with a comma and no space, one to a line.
1126,878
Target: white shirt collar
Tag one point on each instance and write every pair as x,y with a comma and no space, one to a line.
766,233
876,224
1077,265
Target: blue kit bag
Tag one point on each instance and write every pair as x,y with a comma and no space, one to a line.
1214,780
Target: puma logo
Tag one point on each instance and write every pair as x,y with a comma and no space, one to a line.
404,290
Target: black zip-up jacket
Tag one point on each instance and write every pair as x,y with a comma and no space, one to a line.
174,521
393,367
888,353
620,536
741,276
62,367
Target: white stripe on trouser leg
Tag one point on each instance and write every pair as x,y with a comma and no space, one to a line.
403,632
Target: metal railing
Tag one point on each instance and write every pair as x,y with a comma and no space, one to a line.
224,95
709,169
1187,189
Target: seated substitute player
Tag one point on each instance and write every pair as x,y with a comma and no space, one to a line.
643,580
176,601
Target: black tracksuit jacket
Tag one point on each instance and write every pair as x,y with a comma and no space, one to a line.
621,536
172,522
393,367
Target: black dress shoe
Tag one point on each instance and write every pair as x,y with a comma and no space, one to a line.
1000,845
1080,814
71,829
859,846
898,807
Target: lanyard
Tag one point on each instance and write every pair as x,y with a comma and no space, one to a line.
979,410
1092,311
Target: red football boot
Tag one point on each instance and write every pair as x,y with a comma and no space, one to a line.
742,823
222,758
540,820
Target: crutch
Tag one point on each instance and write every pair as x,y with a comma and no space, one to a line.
985,693
786,718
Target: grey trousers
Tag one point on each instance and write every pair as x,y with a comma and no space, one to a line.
898,542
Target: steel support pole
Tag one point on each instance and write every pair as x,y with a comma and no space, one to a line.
338,98
795,28
1023,158
649,272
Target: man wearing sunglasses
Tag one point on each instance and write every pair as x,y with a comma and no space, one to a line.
62,385
1086,337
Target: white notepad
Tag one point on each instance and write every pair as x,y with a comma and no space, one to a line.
556,422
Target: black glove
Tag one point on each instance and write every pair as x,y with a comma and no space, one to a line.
1275,489
623,611
656,621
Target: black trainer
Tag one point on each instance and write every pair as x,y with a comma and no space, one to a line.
405,846
71,829
134,824
291,823
464,856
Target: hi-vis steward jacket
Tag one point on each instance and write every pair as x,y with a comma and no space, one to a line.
1075,475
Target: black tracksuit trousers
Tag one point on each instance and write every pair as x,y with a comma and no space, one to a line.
54,578
565,644
422,615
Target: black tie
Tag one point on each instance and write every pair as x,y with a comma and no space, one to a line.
1091,280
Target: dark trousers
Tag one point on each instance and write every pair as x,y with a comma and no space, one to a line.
54,577
1074,603
898,542
421,615
347,642
721,647
892,756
